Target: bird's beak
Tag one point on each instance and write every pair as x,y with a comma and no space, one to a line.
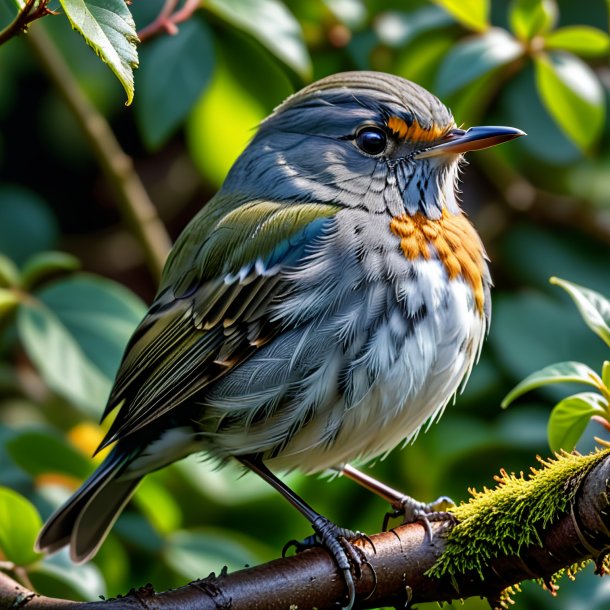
459,141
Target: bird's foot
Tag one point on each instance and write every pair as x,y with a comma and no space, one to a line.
338,541
413,511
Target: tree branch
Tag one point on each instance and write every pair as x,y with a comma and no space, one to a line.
133,201
398,562
31,11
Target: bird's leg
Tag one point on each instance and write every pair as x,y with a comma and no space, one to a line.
335,539
411,510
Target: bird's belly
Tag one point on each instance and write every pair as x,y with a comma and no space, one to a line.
408,387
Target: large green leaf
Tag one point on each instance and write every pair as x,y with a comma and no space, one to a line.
580,39
473,14
570,417
531,17
40,452
562,372
573,96
75,333
174,72
475,57
594,307
108,27
19,526
272,24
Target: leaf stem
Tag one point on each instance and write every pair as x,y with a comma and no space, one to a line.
133,201
31,11
168,19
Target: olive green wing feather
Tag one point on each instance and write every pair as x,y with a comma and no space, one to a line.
212,309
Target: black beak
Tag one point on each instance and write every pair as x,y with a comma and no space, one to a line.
459,141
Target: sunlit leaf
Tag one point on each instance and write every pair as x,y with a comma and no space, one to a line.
570,417
606,374
572,95
473,14
108,27
19,526
580,39
272,24
474,57
9,273
8,301
562,372
75,333
594,307
397,28
159,506
531,17
175,71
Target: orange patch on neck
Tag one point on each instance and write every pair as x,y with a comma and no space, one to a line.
415,132
452,238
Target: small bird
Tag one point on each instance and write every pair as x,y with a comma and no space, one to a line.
326,303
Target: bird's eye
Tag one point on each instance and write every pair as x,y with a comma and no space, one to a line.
371,140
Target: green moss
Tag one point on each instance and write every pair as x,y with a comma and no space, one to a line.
504,520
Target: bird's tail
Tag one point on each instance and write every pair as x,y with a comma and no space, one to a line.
85,519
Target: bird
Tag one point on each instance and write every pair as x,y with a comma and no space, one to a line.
320,309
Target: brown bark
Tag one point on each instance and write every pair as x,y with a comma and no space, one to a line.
394,572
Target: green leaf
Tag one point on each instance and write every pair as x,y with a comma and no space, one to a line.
8,301
159,505
570,417
572,95
579,39
57,576
531,17
474,57
19,526
562,372
75,334
9,273
272,24
175,71
108,27
473,14
606,374
594,307
43,264
39,452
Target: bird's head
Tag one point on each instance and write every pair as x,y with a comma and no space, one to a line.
361,139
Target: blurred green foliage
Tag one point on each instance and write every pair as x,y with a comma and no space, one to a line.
542,205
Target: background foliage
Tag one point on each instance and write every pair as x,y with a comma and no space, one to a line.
70,268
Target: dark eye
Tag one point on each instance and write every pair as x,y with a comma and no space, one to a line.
371,140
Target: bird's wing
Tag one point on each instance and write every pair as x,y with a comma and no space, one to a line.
212,310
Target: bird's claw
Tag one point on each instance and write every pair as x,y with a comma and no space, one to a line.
413,511
338,541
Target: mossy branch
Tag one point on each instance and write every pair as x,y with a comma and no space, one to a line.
525,528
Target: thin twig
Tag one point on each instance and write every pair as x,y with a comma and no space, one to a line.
30,12
168,19
133,201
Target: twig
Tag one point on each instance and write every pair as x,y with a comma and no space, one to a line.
168,19
30,12
395,570
133,201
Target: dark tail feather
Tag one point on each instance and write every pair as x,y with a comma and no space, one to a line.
85,519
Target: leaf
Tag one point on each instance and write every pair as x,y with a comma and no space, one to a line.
398,28
606,374
579,39
41,452
43,264
57,576
473,14
19,526
9,273
109,28
159,505
272,24
75,334
531,17
594,307
570,417
572,95
8,301
474,57
175,71
562,372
